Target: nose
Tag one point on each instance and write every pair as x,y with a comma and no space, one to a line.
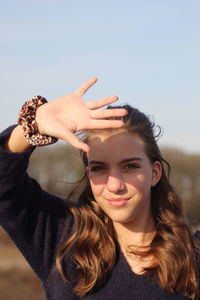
115,183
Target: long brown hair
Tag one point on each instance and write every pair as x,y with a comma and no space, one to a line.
174,248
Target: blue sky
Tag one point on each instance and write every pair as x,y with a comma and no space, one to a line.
146,52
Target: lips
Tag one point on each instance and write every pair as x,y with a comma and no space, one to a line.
117,202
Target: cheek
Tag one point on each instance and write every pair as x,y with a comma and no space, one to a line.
96,188
97,179
97,182
135,180
140,182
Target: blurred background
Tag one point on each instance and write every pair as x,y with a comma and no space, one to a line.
146,52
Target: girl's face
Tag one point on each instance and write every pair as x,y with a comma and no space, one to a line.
121,176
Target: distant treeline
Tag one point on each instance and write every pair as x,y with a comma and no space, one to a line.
185,176
56,167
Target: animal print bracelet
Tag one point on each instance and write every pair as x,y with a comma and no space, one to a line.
29,125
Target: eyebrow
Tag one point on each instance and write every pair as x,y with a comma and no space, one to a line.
123,161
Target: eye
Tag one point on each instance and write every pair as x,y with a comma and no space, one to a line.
96,168
132,166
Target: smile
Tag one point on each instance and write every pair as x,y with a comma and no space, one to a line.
117,202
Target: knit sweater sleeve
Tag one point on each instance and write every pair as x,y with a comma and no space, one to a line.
33,218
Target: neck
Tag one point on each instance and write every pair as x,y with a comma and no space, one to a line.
132,234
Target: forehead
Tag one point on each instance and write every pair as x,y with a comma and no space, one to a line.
115,146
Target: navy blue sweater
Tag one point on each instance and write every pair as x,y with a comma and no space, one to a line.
39,222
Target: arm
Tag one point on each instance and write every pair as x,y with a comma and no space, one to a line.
16,141
33,218
64,116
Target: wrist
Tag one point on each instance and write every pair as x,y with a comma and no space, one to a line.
16,141
27,119
40,118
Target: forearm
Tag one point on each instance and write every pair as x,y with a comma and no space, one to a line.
63,117
16,142
28,214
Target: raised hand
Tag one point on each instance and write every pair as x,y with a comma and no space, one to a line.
64,116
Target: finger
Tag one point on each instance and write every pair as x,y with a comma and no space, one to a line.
85,86
108,113
106,124
75,142
102,102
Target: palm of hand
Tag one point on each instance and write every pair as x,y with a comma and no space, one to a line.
66,115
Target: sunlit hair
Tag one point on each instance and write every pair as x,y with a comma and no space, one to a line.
92,246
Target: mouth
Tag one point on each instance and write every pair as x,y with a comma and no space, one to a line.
118,202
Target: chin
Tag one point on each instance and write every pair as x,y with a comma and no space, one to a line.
121,219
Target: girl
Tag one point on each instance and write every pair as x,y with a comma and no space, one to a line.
126,236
